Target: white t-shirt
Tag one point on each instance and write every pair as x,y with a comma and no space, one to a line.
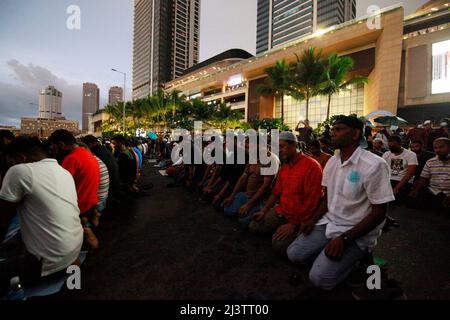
399,164
48,212
353,186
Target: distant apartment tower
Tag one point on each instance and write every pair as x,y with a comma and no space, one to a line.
166,42
115,95
91,103
281,21
50,103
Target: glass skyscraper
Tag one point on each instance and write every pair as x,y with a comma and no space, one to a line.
166,42
281,21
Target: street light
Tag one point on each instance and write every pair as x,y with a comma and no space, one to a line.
123,95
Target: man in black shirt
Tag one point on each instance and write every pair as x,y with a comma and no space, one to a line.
422,156
126,162
6,137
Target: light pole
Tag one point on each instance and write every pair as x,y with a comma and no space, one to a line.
123,96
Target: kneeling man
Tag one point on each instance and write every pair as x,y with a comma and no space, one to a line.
352,213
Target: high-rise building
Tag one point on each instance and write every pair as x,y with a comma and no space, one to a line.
115,95
166,42
50,103
281,21
91,103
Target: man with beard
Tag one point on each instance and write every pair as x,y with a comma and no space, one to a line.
297,191
349,219
433,187
251,188
417,146
84,168
44,196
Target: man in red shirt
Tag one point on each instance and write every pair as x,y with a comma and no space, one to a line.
298,192
84,168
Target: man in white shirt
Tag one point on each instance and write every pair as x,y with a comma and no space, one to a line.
349,219
403,164
44,196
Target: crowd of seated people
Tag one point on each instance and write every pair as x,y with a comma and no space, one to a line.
323,207
327,204
52,195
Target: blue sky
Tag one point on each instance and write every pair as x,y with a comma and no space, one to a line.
37,49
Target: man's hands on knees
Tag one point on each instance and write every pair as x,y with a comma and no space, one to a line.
307,227
284,232
244,210
259,216
335,249
228,201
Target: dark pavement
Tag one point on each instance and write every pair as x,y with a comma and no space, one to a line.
169,246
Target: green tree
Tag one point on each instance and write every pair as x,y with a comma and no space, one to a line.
115,116
276,84
162,104
306,76
226,118
336,71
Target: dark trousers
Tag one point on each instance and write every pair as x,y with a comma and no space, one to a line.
16,261
403,195
426,200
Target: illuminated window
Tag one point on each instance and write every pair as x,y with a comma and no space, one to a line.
441,67
347,102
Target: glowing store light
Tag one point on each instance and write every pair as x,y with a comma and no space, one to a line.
235,80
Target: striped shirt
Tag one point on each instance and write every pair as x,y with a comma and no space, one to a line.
104,182
438,172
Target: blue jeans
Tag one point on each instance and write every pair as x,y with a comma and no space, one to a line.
325,273
233,209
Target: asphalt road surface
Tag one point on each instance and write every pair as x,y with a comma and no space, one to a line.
169,246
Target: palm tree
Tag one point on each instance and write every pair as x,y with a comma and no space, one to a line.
224,117
162,103
306,76
115,115
336,71
276,83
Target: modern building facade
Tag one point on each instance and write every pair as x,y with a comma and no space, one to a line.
425,77
115,95
407,62
50,103
91,103
166,42
282,21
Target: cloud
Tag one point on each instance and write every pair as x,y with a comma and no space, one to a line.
15,98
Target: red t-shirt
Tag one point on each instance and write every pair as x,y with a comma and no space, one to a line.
299,187
84,168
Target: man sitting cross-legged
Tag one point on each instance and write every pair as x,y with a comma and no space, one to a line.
298,190
256,185
45,198
351,215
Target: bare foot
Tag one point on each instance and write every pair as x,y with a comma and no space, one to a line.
91,238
